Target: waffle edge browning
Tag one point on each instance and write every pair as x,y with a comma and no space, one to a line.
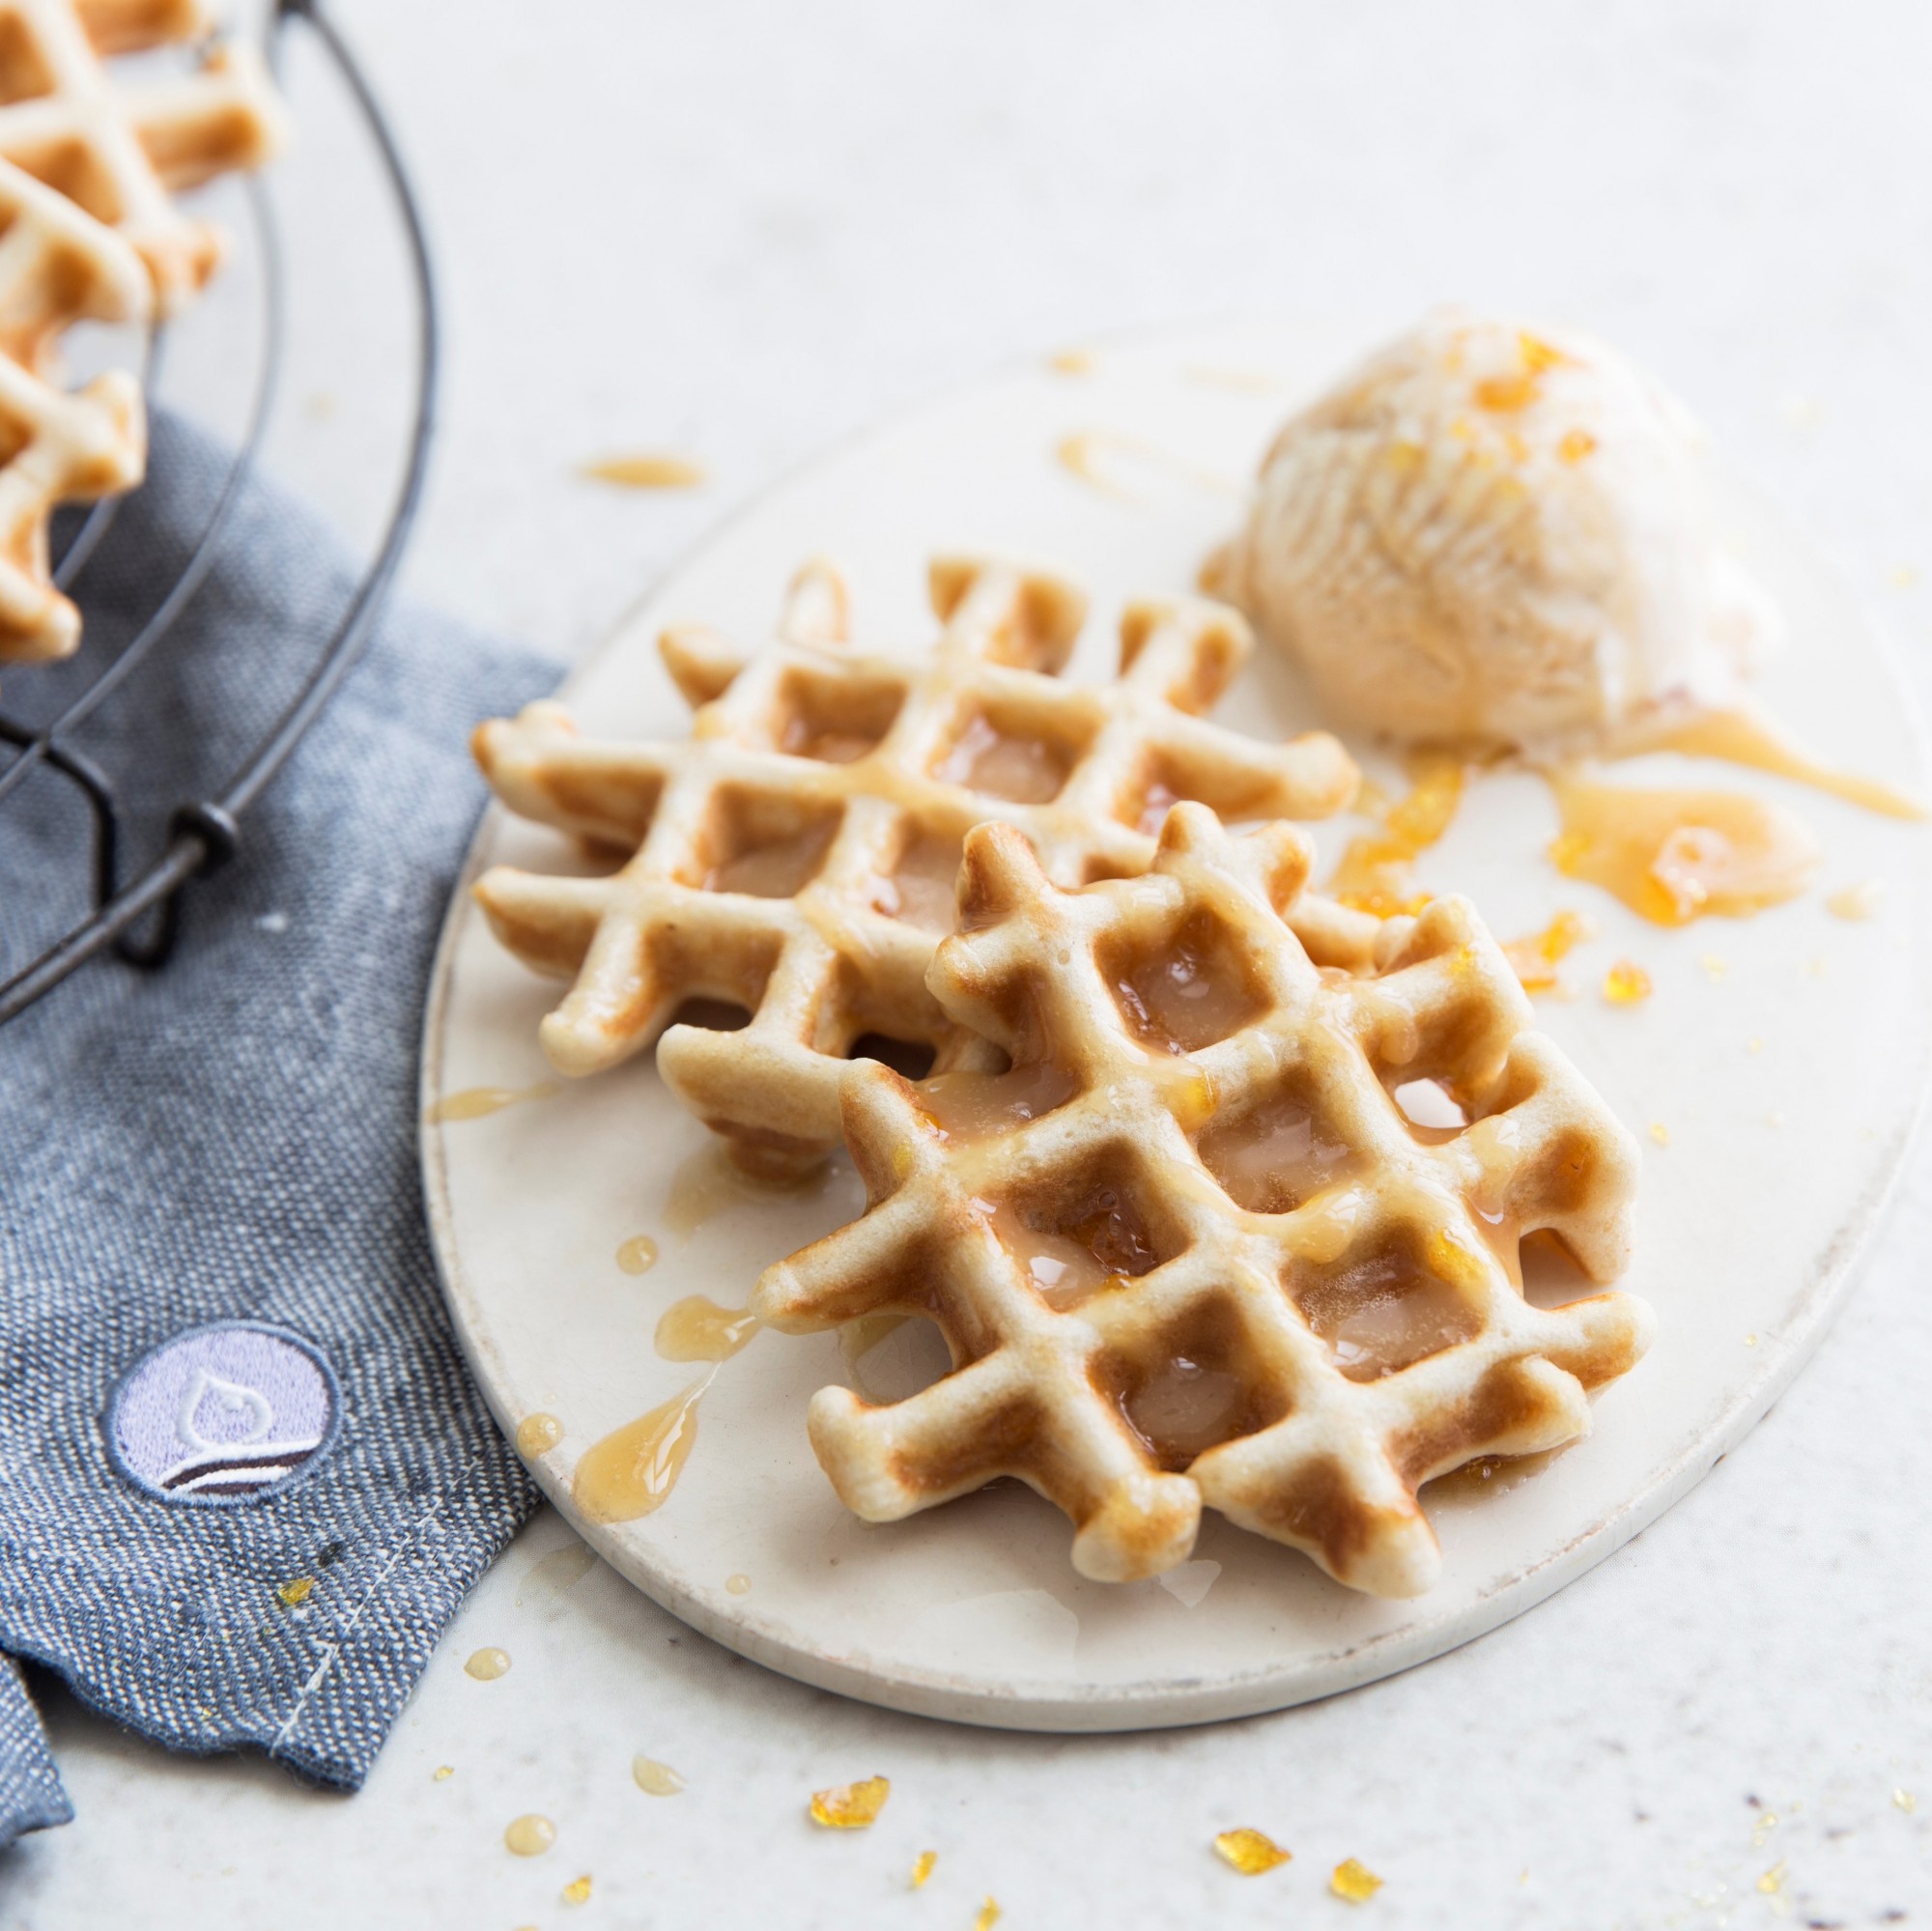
1305,1452
769,853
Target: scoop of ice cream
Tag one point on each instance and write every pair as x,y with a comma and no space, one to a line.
1496,534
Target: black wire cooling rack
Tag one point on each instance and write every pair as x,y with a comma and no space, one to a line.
136,916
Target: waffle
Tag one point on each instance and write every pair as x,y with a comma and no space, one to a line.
121,152
1190,1249
58,266
796,856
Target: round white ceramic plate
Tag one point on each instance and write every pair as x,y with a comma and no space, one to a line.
1773,1079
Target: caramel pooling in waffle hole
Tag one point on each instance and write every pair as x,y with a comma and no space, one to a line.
796,857
1189,1248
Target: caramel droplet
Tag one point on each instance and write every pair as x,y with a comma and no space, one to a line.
538,1434
851,1807
488,1665
654,1778
638,1254
530,1835
475,1102
1856,901
1250,1851
647,472
1625,984
1355,1881
738,1585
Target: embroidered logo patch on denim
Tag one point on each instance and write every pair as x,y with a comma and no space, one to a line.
223,1412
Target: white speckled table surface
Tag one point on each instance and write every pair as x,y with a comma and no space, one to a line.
740,232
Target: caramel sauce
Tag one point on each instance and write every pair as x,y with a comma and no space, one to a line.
1383,1311
980,1106
654,1778
538,1434
1488,1475
1274,1157
1674,856
646,472
1534,958
697,1330
737,1586
1098,457
633,1470
476,1102
920,889
776,869
1026,769
1183,1410
485,1665
1192,993
1374,875
637,1255
1098,1242
709,1183
1740,737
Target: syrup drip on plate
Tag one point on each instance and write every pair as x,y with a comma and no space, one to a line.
634,1469
697,1330
652,470
1374,872
476,1102
1674,856
1101,457
1742,737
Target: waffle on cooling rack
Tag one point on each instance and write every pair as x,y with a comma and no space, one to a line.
58,266
122,150
1190,1248
796,856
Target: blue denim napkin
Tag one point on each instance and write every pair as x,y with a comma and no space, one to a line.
244,1479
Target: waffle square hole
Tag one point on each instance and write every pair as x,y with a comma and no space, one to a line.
1383,1310
1276,1152
1193,991
765,844
920,887
1195,1392
69,168
1165,779
1023,759
1085,1232
1430,1111
834,720
23,71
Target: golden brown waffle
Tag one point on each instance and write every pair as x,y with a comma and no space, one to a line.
1190,1249
57,266
796,856
121,152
